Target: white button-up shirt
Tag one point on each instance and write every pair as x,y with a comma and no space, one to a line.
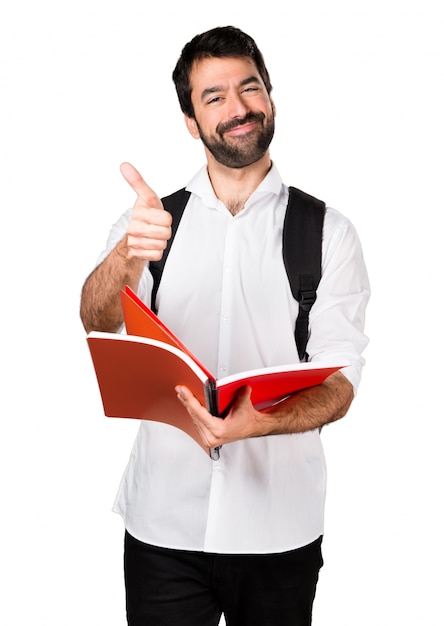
225,293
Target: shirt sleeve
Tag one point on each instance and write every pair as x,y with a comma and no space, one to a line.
337,318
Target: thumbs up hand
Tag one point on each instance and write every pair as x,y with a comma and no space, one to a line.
150,225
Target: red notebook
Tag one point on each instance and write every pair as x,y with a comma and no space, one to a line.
137,373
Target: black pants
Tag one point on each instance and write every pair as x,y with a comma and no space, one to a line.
180,588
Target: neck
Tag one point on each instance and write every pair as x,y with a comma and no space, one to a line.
232,186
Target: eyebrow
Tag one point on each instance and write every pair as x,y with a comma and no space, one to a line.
217,88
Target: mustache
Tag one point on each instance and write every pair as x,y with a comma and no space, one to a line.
250,117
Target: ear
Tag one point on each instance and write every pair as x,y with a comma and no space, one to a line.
192,126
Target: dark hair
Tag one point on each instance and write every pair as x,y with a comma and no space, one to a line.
221,42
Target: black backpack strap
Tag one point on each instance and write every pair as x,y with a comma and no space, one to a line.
174,204
302,251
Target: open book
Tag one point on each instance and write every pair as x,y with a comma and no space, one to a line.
137,373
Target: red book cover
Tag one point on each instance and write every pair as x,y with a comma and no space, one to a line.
137,373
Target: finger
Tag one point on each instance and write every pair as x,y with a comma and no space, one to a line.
184,395
135,180
191,403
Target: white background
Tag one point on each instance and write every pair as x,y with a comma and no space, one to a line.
86,85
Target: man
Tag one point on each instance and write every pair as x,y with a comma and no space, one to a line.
241,535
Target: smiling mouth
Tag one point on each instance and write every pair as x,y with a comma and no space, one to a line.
241,126
243,129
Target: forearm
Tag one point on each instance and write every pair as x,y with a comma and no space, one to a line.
310,408
100,307
306,410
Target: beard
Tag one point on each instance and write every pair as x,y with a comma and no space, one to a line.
243,150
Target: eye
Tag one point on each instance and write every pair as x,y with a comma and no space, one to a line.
214,100
251,90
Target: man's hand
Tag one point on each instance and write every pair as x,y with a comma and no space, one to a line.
308,409
150,225
147,235
242,421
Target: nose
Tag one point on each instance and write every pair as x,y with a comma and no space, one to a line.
236,106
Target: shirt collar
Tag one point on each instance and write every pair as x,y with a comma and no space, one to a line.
200,185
